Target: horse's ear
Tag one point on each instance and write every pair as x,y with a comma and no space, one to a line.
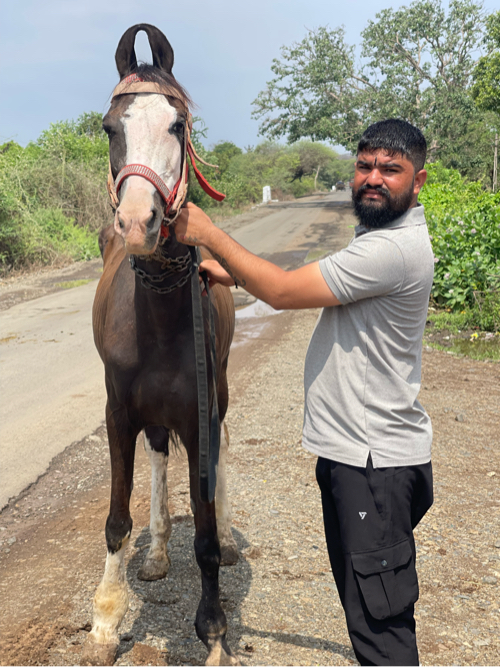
163,54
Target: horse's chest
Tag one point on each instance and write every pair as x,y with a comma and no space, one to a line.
156,377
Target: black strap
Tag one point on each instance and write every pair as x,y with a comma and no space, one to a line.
209,425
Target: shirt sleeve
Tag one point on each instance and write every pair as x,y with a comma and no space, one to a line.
370,266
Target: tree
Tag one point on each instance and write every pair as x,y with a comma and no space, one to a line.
417,64
222,154
486,89
314,158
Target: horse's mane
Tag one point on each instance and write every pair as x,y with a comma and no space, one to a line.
155,75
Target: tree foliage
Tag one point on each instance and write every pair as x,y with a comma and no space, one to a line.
290,171
416,63
486,89
464,223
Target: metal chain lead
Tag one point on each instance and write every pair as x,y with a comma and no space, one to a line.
176,265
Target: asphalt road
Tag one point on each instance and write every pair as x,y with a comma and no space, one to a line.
51,378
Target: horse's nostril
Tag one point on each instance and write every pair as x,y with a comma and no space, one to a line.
121,223
150,220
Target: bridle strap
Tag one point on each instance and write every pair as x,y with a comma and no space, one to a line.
208,411
133,84
149,175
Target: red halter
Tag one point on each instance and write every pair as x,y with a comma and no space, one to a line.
167,195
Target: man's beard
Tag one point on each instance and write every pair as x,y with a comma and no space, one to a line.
382,212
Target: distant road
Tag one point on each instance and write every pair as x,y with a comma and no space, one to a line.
51,378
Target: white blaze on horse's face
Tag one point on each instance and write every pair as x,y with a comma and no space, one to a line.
150,141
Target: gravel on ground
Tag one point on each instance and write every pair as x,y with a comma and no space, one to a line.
280,599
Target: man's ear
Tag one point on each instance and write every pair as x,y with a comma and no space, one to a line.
420,178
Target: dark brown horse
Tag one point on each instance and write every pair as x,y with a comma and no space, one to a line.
143,330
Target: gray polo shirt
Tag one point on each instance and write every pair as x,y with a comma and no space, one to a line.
363,366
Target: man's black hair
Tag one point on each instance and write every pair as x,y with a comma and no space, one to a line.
397,137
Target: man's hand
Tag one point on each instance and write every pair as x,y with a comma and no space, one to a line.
193,227
216,273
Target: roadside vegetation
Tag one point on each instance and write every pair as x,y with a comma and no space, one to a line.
291,171
436,67
53,197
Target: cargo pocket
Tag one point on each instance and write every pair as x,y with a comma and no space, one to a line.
387,579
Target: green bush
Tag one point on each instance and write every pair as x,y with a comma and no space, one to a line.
53,195
53,236
464,224
486,310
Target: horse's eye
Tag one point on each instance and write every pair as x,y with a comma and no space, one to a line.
178,128
109,127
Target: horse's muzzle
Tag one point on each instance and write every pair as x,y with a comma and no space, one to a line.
140,231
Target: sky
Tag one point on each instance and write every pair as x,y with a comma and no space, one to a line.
57,56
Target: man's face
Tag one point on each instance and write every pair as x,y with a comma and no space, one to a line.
384,187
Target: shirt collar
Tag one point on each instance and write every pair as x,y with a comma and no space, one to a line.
413,216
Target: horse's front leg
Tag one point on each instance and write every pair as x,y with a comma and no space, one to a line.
228,548
211,624
111,598
157,561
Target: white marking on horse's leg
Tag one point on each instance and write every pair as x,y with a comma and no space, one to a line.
220,653
157,561
111,599
229,550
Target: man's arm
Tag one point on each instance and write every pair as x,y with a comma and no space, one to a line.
302,288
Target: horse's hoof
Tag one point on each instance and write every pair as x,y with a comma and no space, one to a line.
229,554
98,654
221,654
152,569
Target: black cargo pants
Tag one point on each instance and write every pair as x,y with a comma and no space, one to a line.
369,516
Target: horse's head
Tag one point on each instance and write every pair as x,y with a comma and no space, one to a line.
146,125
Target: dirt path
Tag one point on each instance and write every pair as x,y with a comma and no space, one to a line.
280,599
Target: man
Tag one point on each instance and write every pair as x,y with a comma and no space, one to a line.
362,377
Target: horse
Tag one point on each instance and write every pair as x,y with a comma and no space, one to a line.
143,331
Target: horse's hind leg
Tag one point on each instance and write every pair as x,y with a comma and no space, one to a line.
228,548
157,561
111,598
211,624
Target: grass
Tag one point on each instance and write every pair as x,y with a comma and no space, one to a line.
458,332
444,320
72,283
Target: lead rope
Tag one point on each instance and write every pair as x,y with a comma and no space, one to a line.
209,438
